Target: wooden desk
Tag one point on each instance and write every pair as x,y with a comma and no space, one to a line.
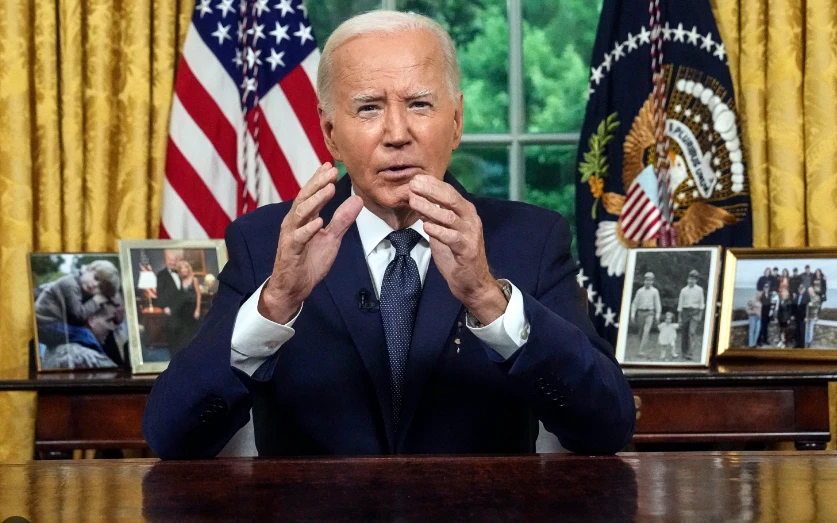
696,487
731,403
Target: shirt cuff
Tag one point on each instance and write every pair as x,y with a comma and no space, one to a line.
256,338
507,333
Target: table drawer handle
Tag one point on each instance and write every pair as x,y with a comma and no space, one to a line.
638,404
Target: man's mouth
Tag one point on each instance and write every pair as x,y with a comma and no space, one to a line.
399,172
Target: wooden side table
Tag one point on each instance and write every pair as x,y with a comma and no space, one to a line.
770,401
87,410
730,403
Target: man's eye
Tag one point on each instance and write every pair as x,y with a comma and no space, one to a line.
367,108
421,105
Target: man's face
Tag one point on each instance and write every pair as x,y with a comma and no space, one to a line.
393,114
691,281
807,270
101,326
172,260
649,282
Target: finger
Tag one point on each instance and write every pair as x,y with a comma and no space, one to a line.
438,192
304,234
344,216
430,212
453,239
325,174
311,207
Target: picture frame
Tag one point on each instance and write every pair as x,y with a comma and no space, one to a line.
668,307
800,325
165,308
78,311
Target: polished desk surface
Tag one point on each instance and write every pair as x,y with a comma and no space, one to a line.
766,487
718,374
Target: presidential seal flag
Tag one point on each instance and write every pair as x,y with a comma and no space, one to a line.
660,158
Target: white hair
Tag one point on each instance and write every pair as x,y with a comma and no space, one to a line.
387,22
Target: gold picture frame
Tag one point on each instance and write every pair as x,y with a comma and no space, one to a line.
162,315
72,330
787,335
668,335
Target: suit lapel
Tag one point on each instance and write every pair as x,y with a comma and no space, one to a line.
437,312
348,276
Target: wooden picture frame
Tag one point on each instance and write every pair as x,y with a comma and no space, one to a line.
658,327
162,314
78,311
787,334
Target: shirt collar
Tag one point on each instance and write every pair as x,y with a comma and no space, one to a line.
373,230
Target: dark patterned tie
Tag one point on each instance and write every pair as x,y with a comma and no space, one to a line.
400,294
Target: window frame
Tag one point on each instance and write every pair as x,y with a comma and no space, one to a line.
517,137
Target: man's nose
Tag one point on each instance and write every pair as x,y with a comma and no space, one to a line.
396,128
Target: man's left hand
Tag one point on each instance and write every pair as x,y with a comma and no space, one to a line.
457,246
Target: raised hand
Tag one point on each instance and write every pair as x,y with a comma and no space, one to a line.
457,246
306,250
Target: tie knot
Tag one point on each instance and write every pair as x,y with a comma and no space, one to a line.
404,241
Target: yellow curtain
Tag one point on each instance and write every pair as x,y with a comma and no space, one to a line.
85,92
783,60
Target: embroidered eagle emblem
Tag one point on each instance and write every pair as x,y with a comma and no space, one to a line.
706,167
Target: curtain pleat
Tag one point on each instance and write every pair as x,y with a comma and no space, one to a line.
783,60
85,94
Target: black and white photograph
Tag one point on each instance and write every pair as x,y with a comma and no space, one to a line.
169,288
776,304
668,306
79,311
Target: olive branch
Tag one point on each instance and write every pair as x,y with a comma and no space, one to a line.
595,164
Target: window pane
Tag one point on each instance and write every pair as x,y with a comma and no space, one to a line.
326,15
480,30
482,170
550,180
557,45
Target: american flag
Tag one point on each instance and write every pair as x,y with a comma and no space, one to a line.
244,128
641,217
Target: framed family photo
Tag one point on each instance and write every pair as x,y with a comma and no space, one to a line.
78,311
776,304
668,305
169,287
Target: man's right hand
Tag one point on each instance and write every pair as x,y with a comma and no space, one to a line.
306,250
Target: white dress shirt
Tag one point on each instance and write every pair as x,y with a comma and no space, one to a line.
256,338
175,276
691,298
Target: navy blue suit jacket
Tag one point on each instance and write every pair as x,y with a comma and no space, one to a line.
327,390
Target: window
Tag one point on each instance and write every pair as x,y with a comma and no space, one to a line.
525,65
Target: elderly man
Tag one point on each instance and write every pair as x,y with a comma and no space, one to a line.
379,325
168,292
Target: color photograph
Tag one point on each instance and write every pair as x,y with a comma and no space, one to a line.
668,307
169,290
776,304
79,311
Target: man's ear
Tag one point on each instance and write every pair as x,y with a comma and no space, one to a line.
327,127
458,120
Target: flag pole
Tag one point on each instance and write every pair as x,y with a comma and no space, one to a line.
666,236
